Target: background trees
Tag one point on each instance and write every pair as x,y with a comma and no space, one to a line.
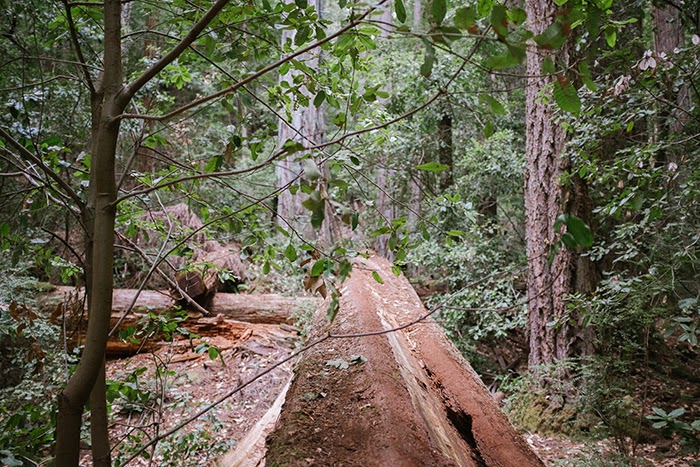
415,134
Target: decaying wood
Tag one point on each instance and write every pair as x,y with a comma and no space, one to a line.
250,451
402,398
201,281
251,308
232,315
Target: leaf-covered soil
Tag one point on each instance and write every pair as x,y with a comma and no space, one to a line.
187,382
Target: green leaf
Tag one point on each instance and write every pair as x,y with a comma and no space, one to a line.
290,252
586,76
455,233
340,119
333,309
282,231
433,167
213,352
551,38
517,16
428,60
496,106
439,9
465,17
426,69
499,20
488,130
676,413
318,267
567,98
483,7
377,277
320,97
396,270
548,66
578,229
266,268
501,62
291,146
354,220
611,36
569,240
400,10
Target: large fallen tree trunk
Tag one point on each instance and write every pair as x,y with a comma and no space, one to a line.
251,308
403,398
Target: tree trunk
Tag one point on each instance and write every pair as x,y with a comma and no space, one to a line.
445,149
251,308
99,428
307,126
668,36
102,211
545,199
403,398
385,208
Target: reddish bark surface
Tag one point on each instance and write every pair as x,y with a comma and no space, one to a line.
405,398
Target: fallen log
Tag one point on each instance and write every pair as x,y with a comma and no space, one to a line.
202,280
251,308
404,398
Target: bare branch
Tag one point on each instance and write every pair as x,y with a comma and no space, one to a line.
26,154
78,49
39,83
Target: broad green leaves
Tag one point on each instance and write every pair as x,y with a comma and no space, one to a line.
577,232
438,9
400,11
433,167
465,18
566,97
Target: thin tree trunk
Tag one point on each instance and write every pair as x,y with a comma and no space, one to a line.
102,211
385,207
549,283
385,175
417,14
99,431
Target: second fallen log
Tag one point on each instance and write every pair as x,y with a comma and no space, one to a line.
251,308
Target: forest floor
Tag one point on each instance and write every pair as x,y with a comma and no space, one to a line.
183,382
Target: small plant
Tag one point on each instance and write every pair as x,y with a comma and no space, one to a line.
671,424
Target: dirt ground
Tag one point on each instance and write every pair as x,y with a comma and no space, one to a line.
178,381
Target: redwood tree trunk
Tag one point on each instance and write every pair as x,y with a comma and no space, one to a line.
668,36
445,149
545,199
307,126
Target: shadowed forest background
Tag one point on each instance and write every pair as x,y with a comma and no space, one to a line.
532,167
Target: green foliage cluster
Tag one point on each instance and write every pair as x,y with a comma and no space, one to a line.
33,364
